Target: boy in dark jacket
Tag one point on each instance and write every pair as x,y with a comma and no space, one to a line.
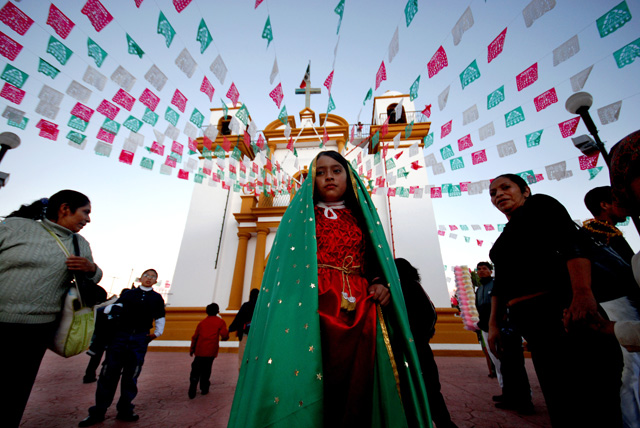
205,344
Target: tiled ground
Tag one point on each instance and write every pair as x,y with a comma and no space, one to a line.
60,399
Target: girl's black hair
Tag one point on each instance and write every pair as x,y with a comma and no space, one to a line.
49,207
519,181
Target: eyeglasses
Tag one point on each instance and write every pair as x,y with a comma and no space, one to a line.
146,275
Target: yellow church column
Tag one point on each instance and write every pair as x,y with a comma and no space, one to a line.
235,297
340,145
272,148
258,260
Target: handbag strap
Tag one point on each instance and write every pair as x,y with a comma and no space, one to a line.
613,253
66,252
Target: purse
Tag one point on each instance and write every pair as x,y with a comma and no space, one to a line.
92,293
77,321
611,275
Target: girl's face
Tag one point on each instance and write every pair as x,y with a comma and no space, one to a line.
506,196
331,179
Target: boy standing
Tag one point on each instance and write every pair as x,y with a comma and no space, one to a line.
125,354
205,345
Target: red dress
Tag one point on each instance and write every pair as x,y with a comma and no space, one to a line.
348,337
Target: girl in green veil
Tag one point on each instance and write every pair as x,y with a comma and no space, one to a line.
329,343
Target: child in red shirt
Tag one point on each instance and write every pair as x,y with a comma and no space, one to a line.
205,345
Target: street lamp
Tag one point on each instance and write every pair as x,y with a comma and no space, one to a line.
579,103
8,141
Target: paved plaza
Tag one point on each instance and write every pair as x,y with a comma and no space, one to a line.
60,399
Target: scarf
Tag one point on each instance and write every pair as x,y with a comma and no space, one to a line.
280,382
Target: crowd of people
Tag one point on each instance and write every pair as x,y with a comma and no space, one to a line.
338,334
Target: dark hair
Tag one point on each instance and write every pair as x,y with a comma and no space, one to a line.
519,181
487,264
595,197
406,271
349,194
49,207
213,309
151,270
253,294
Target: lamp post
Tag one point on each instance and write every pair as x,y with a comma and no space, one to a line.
8,141
579,103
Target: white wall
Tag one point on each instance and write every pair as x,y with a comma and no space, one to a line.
195,275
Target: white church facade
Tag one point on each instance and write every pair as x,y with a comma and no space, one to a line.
228,234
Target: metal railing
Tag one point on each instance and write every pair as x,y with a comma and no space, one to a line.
364,130
274,201
411,116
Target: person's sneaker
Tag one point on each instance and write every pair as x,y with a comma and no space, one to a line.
498,398
204,391
89,379
91,420
127,417
192,390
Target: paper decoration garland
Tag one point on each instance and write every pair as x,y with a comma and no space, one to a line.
61,24
98,15
165,29
15,18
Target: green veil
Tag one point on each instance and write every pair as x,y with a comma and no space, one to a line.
281,379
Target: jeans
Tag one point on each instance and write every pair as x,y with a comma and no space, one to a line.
125,357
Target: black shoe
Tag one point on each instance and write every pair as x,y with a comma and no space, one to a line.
192,390
91,420
127,417
498,398
89,379
204,391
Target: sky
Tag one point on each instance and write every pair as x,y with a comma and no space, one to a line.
139,215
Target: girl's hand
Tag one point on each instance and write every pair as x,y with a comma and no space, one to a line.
380,294
80,263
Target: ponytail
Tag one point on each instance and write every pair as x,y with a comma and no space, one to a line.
35,211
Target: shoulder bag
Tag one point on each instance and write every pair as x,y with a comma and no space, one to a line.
77,321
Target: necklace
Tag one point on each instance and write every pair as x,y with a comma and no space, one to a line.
601,228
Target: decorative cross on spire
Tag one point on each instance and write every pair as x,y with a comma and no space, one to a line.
306,89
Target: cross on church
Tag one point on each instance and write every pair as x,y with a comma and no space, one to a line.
307,90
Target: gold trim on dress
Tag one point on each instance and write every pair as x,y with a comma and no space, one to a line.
387,343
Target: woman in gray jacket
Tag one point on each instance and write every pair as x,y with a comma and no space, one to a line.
35,274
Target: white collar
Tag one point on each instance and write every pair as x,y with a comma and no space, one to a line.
143,288
329,208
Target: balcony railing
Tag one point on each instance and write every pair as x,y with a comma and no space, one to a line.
364,131
273,201
412,116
